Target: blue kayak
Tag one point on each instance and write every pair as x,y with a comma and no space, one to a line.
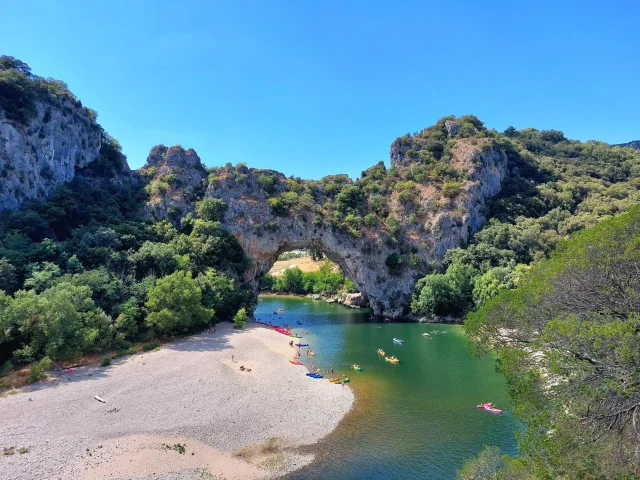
302,344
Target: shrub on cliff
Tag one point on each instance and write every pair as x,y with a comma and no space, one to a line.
211,209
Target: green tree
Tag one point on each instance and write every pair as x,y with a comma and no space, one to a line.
175,304
61,322
291,281
434,295
567,342
240,318
8,279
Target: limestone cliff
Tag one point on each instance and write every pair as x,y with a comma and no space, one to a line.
48,150
383,233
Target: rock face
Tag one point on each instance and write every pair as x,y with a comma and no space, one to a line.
37,157
452,127
182,173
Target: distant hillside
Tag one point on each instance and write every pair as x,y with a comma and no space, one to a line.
635,144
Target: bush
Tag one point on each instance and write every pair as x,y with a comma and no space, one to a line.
394,263
240,318
147,347
451,189
37,371
106,361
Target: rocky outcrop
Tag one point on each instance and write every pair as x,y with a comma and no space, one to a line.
35,158
353,300
178,177
452,127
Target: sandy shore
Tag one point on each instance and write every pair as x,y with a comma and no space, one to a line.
188,394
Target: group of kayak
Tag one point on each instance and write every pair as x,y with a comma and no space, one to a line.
391,358
286,330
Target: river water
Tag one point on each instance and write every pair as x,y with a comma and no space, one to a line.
415,420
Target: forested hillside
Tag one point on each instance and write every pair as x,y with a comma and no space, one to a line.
567,342
555,186
86,271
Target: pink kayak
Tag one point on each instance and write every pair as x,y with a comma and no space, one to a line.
489,407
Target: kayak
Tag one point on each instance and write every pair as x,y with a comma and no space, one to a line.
398,341
312,354
346,380
489,407
295,362
392,359
334,380
302,344
357,367
381,352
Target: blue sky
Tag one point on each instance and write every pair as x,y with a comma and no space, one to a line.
313,88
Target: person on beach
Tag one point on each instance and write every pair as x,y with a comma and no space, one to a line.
232,359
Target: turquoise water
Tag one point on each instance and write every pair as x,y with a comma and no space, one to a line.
417,419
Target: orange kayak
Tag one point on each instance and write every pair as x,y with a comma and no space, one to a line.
295,362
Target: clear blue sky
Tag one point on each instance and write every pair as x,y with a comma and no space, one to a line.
318,87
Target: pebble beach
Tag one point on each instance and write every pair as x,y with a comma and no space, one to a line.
185,411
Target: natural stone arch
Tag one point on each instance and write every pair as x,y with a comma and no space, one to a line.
264,232
264,235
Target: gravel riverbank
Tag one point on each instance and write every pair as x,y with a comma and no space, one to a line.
190,393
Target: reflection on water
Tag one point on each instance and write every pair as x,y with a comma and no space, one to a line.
417,419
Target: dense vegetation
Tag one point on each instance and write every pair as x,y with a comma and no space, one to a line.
327,280
555,186
20,89
567,340
86,272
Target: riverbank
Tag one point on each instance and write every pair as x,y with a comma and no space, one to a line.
185,411
351,300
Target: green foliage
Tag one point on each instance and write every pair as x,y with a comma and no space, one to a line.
567,342
20,89
327,280
395,264
77,270
38,369
451,189
240,318
106,361
267,182
175,305
211,209
147,347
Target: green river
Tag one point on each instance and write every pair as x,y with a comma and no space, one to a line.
415,420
